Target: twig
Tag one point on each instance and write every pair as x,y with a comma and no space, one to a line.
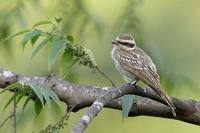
60,124
14,114
96,107
105,75
64,117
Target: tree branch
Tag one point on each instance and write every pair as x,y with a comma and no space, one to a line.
82,96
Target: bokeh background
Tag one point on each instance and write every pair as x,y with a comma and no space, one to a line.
169,31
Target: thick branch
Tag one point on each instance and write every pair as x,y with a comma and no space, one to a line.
84,96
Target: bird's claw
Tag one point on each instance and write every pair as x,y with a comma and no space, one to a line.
133,83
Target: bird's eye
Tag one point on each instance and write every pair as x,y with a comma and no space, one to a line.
124,43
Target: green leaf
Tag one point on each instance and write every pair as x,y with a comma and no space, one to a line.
38,107
52,95
127,103
58,20
57,46
45,94
29,36
26,102
42,23
17,34
68,69
49,95
12,86
38,92
42,44
65,63
34,39
70,38
11,99
21,95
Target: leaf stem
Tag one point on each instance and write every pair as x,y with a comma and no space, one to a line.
108,78
14,114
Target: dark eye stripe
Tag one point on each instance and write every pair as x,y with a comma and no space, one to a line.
126,43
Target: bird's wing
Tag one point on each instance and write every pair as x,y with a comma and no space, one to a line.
140,67
143,68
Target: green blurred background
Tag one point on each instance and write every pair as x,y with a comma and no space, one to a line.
167,30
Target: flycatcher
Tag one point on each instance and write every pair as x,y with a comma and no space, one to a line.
135,64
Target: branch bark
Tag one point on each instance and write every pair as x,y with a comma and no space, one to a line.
148,103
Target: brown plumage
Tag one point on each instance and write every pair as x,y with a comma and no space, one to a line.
134,63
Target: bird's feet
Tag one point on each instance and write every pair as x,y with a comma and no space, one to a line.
133,83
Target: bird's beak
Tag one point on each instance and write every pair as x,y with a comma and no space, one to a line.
115,42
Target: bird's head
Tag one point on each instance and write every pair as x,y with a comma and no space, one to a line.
125,41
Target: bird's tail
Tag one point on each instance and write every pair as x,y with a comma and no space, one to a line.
167,99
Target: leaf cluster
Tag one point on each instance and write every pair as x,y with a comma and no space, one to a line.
39,93
61,45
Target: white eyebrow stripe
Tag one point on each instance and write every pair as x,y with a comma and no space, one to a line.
128,41
125,41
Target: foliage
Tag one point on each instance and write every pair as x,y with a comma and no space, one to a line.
76,10
60,44
39,93
127,103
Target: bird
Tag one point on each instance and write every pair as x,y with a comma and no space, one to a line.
133,63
